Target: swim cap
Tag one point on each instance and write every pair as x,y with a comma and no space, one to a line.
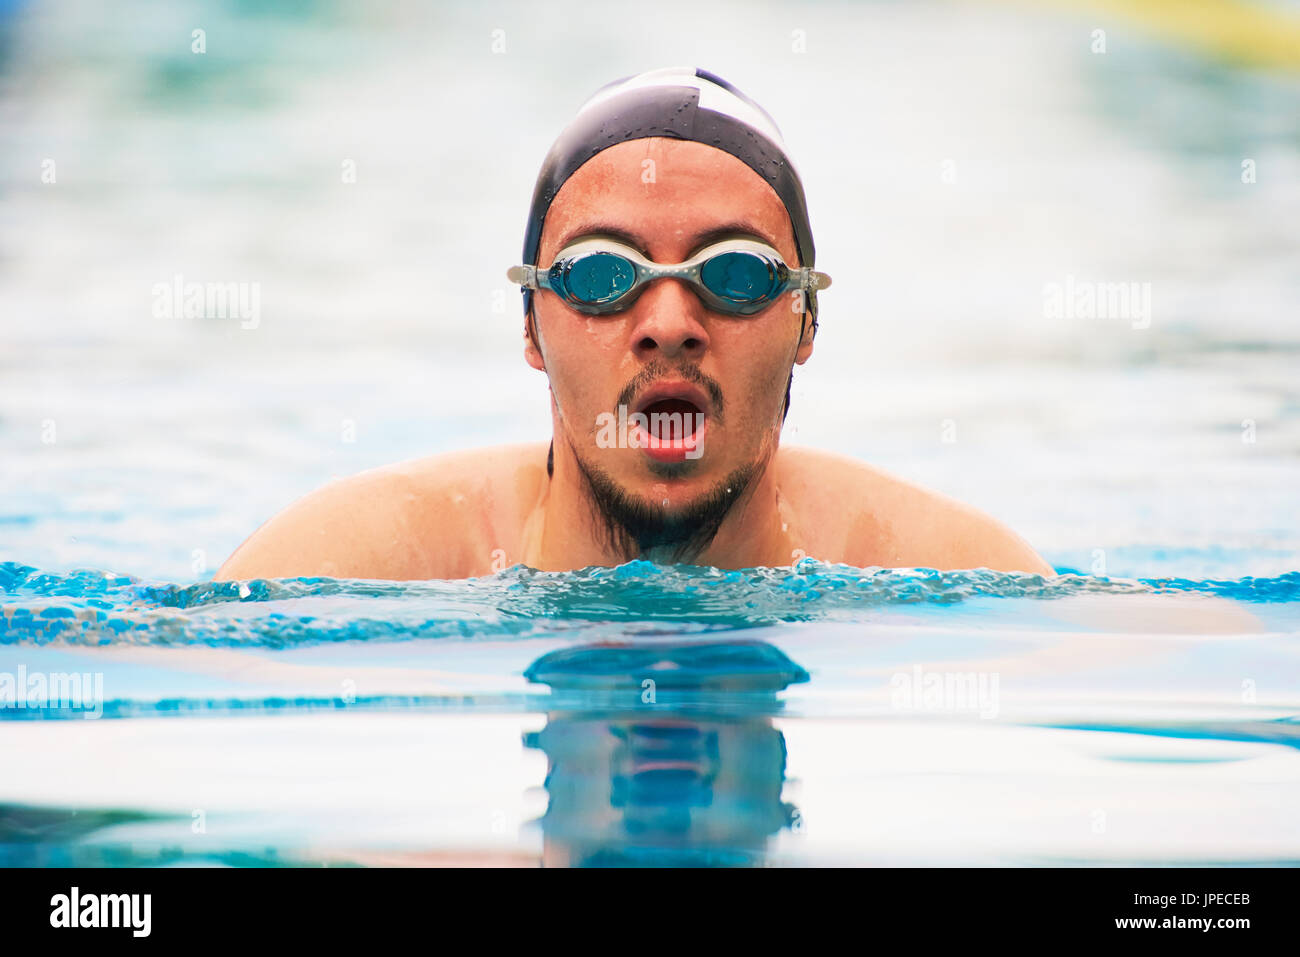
684,104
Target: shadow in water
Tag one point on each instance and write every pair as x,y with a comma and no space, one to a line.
663,754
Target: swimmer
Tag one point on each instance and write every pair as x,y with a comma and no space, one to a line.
669,291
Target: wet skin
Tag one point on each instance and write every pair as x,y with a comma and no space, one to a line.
472,513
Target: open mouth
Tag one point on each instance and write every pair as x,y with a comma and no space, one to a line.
670,423
672,418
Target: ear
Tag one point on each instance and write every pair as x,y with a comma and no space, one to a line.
808,327
532,354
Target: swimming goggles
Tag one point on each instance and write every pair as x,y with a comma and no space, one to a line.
739,277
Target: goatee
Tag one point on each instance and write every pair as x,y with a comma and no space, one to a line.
633,528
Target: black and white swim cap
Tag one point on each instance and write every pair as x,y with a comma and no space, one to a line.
685,104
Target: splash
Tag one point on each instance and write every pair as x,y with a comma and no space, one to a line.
87,607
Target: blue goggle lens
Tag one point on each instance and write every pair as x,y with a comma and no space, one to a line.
595,279
739,277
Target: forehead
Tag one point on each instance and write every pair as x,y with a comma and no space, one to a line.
666,193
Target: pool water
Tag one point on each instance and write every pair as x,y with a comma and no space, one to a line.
653,715
1142,708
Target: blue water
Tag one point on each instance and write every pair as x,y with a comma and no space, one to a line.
100,609
507,720
1142,707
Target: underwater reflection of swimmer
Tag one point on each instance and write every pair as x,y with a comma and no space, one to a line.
663,754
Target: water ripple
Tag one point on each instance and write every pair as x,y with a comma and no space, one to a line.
91,607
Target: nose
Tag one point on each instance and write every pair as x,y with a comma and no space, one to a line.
668,321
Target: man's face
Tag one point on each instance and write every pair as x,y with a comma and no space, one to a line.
668,351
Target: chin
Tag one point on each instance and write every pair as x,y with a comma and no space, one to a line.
651,515
670,504
682,472
648,477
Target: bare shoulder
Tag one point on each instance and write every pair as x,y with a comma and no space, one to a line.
441,516
863,515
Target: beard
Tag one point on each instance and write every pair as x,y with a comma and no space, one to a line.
633,528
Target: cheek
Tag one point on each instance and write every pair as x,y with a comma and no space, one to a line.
758,379
581,358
